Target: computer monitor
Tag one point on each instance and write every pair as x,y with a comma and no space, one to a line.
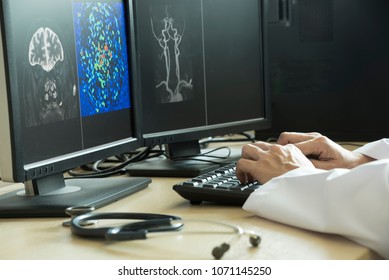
68,98
329,68
202,66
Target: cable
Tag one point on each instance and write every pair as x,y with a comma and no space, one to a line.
206,154
271,139
248,137
117,169
95,169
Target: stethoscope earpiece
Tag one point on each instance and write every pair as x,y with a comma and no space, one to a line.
219,251
255,240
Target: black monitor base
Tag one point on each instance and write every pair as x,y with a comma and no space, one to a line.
164,167
78,192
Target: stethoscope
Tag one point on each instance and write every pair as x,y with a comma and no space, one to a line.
83,217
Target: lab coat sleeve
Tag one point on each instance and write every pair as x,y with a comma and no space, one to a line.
378,149
353,203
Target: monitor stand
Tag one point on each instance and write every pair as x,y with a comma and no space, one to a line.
96,192
166,167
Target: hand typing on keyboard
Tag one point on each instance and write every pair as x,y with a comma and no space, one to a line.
233,184
263,161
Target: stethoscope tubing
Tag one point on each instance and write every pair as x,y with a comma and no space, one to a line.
131,231
149,223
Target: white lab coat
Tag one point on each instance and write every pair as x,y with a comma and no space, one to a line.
350,202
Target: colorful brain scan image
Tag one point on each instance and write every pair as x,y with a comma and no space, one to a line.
102,59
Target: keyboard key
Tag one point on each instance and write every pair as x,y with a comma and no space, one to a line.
220,185
190,183
225,186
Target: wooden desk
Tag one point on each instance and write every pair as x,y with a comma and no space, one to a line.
23,239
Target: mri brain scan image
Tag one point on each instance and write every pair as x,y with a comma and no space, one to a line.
45,49
50,92
102,58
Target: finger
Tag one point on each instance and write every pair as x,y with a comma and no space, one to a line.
309,148
324,164
251,152
321,164
244,169
265,146
295,137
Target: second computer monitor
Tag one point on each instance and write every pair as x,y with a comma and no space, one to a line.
202,70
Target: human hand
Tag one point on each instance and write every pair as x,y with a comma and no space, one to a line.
323,152
262,161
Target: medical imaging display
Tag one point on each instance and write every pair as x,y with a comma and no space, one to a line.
195,54
73,74
49,89
102,57
172,68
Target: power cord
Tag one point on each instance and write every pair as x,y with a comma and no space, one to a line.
206,154
97,172
116,165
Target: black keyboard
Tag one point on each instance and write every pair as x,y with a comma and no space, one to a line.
220,186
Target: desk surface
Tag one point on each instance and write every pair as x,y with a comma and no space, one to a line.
46,238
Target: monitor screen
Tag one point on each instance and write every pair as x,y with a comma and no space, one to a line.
329,68
202,74
68,98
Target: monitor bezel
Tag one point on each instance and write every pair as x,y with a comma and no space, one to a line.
12,165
